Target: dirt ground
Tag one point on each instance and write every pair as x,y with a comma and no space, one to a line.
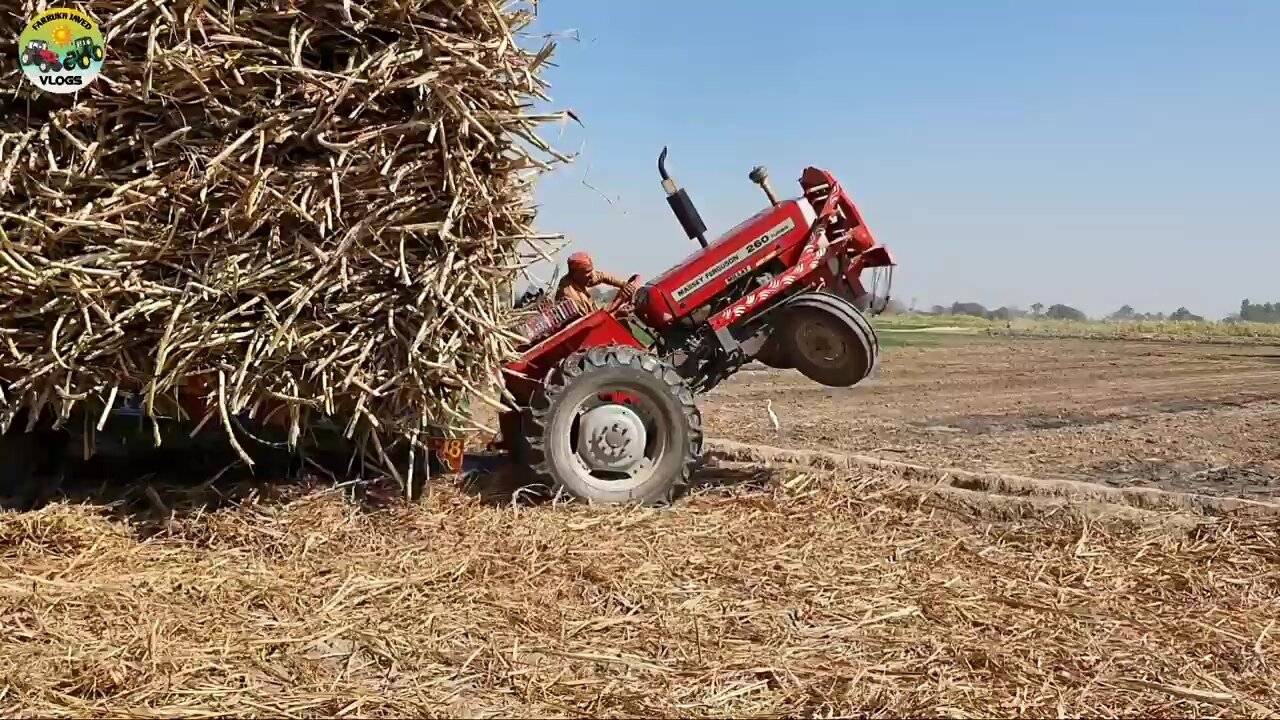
1183,417
787,585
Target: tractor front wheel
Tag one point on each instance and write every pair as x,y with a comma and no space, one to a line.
613,425
773,355
97,53
828,340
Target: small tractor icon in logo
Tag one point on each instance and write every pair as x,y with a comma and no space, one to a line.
82,54
39,54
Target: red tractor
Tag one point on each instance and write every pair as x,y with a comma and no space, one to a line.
606,415
38,53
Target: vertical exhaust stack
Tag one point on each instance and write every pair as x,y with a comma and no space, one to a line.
681,205
760,176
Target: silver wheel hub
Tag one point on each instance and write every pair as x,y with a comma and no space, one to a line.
611,438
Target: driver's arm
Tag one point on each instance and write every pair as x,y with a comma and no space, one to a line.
623,286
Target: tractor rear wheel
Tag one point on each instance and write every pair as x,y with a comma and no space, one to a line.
613,425
828,340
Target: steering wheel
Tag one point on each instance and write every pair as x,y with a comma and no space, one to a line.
621,304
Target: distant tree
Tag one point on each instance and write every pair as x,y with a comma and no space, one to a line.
937,310
1184,315
968,308
1126,312
1065,312
1260,312
1006,313
1036,308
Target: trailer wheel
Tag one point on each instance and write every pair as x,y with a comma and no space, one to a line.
27,459
614,425
828,340
18,461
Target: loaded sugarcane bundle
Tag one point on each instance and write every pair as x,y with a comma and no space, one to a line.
310,205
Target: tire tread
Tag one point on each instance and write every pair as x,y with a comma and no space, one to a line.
538,457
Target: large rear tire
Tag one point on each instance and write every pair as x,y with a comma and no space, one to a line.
581,442
828,340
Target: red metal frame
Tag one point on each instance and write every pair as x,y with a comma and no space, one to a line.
838,230
597,329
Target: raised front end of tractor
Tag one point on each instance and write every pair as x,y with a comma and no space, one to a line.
606,402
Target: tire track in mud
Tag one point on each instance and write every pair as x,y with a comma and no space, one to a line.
1108,402
999,485
1181,419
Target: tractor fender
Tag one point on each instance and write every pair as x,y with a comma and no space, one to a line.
597,329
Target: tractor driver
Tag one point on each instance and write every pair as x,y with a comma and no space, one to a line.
583,276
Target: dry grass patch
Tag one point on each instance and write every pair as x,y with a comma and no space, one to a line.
791,594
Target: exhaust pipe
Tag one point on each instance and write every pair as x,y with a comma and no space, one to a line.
760,176
681,205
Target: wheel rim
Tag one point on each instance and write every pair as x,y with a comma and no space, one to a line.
820,344
616,447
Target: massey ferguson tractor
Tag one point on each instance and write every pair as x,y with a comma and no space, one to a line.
607,402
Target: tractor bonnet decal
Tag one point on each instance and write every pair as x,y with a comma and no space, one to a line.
744,252
61,50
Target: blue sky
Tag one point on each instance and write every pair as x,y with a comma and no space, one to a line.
1008,151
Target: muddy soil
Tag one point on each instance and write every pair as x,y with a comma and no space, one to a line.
1181,417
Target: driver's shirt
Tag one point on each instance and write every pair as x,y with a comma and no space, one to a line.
567,289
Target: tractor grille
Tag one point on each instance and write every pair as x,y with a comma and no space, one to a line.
550,319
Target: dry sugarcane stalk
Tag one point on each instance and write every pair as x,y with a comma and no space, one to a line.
313,203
